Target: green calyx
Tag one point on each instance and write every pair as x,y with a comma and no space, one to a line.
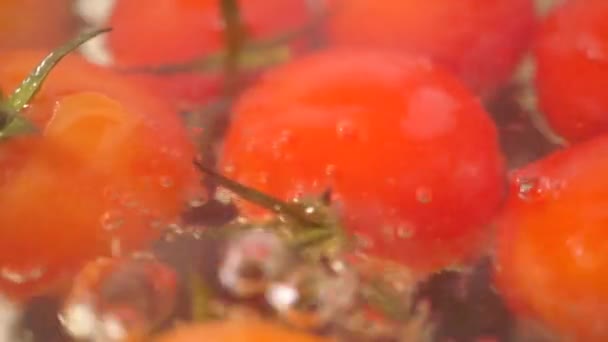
11,122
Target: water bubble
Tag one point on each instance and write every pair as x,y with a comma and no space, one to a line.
346,129
22,276
112,299
363,241
535,188
128,200
250,261
330,170
166,181
424,195
311,296
111,220
404,231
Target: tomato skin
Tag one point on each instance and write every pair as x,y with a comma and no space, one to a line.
571,69
110,164
237,331
552,250
35,23
178,31
410,155
447,31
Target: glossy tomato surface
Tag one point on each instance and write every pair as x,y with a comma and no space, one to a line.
410,155
571,69
238,331
552,245
109,166
481,41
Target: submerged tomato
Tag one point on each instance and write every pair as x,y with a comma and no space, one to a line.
109,164
409,153
238,331
35,23
553,243
177,31
481,41
571,69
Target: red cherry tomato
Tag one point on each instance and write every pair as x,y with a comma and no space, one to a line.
238,331
552,244
35,23
409,153
571,69
177,31
109,164
481,41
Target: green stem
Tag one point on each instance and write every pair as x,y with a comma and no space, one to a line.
257,197
233,42
32,84
11,123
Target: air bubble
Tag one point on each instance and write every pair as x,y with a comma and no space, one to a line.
112,220
166,182
424,195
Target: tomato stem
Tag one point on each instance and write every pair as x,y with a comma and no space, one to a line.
257,197
11,122
234,34
32,84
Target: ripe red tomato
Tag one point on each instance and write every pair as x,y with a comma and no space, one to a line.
238,331
35,23
409,153
481,41
552,243
177,31
571,69
109,164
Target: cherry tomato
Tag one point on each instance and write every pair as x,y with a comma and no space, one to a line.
552,242
410,155
178,31
35,23
237,331
481,41
571,69
109,164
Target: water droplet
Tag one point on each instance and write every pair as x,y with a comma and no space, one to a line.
536,188
404,231
115,247
22,276
111,220
330,170
229,169
196,202
309,297
166,181
424,195
363,241
111,298
251,260
128,200
346,129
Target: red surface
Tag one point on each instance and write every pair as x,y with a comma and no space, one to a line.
410,155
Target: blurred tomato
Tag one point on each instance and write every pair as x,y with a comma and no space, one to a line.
35,23
178,31
481,41
571,69
110,165
553,243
